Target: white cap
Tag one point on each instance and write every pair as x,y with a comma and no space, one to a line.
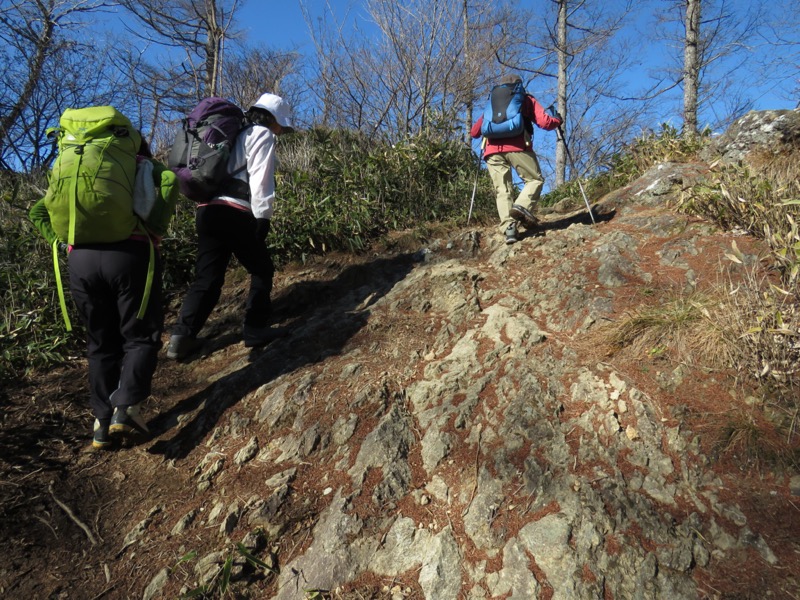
278,107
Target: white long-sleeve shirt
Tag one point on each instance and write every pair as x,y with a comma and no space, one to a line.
254,149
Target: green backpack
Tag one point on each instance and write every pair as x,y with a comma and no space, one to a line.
90,196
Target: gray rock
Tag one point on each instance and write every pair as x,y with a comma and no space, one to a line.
247,453
153,589
547,541
403,548
483,510
749,538
766,130
231,519
386,447
440,576
515,578
331,560
209,566
266,514
184,522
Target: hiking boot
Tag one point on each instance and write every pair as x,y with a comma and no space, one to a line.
181,346
524,216
261,336
101,440
127,421
511,233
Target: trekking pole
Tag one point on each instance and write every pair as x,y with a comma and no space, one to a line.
475,187
572,165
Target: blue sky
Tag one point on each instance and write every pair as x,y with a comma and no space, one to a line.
277,24
280,25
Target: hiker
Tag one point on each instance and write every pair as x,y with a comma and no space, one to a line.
236,223
509,146
107,281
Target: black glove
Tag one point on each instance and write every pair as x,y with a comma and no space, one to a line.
555,114
262,228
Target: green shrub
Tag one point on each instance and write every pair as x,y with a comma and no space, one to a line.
32,332
338,190
179,248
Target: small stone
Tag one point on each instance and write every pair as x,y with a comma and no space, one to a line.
794,485
631,432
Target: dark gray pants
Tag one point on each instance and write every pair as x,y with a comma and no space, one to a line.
107,283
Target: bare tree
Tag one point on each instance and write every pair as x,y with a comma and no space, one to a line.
779,54
198,29
691,66
41,56
716,37
259,70
563,52
348,87
484,32
418,75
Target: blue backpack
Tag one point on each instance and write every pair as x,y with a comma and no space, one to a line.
502,117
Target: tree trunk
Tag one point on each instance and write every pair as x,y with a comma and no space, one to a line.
44,45
691,67
468,65
561,45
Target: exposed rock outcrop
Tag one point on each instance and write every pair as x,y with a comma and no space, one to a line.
766,131
444,424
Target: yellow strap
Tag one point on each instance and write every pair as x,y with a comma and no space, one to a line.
60,287
73,201
148,284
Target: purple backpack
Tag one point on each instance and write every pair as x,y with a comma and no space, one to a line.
199,155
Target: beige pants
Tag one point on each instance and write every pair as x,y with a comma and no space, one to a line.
527,167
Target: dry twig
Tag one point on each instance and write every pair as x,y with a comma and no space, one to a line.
72,516
477,473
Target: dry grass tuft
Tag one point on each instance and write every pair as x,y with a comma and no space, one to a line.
765,323
686,326
762,199
750,326
751,439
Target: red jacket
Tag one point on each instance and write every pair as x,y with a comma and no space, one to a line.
533,112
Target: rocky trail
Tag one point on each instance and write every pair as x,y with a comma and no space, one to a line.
444,421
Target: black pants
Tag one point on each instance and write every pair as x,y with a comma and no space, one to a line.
107,283
222,232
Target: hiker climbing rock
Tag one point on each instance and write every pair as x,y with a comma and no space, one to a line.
507,128
235,222
102,181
